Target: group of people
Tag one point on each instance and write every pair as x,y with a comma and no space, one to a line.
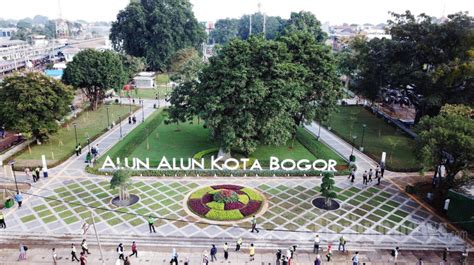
92,154
132,119
213,252
35,174
368,176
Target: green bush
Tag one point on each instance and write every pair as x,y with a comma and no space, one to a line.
226,196
222,215
216,205
202,153
244,199
252,194
201,192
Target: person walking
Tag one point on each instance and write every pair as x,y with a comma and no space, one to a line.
254,224
27,173
213,253
22,255
420,262
78,149
205,258
73,253
238,244
174,257
377,174
252,252
84,247
382,169
329,253
54,256
342,243
126,261
19,199
37,174
134,250
2,221
151,224
353,175
226,251
395,253
278,256
83,259
120,252
355,259
364,178
370,175
317,240
318,261
445,254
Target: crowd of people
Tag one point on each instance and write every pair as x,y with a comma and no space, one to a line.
369,176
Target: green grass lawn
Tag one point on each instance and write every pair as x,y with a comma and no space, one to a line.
154,139
379,136
62,144
149,93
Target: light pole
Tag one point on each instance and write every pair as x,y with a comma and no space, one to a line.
120,125
130,99
143,112
89,144
353,139
362,140
75,132
12,164
319,130
108,120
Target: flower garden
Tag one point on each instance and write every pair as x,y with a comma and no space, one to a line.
225,202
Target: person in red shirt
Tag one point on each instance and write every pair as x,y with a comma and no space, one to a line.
134,250
83,259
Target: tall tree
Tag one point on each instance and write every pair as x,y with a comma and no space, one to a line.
327,188
156,29
132,65
225,30
423,60
33,104
305,21
95,72
181,57
183,98
447,139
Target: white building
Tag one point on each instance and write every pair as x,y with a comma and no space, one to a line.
144,80
13,49
39,41
7,33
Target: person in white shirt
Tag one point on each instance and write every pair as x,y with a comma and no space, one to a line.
317,240
226,251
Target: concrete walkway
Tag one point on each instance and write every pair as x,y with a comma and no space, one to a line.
157,256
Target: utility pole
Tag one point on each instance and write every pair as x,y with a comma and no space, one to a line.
98,240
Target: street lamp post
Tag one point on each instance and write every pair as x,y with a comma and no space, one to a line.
353,139
12,164
89,144
75,132
130,105
362,140
120,125
319,130
143,111
108,119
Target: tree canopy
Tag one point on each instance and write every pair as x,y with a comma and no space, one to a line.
447,139
33,104
259,91
156,29
428,61
121,179
327,187
95,72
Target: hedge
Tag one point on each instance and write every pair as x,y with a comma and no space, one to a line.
224,215
216,205
253,195
244,199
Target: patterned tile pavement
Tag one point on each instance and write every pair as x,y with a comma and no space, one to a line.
373,214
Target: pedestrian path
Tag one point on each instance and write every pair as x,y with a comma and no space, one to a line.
363,162
161,256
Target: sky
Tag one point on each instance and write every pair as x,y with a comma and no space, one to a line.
333,11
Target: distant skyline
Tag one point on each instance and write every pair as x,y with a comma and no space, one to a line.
335,12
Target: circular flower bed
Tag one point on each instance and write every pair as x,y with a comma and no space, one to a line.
225,202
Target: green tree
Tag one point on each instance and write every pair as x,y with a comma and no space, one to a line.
307,22
156,29
121,179
33,104
447,139
321,86
181,57
327,188
424,59
183,97
132,65
95,72
225,30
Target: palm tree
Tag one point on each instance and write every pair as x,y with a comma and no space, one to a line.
327,188
121,179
